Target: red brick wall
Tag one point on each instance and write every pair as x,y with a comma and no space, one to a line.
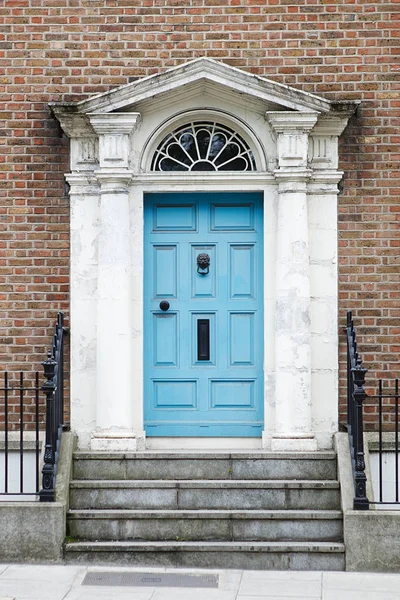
54,50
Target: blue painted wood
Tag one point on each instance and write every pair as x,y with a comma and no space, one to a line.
221,396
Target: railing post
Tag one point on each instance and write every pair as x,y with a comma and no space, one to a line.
47,492
361,501
60,375
349,376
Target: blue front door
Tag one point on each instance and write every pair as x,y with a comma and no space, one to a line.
203,343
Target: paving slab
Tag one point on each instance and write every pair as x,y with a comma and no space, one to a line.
266,596
283,576
362,582
34,590
45,573
110,593
287,584
353,595
60,582
2,569
193,594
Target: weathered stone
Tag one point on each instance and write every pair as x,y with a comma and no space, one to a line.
243,555
207,509
35,531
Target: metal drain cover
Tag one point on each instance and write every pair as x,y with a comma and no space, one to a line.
123,578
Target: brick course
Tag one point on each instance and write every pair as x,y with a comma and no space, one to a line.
66,50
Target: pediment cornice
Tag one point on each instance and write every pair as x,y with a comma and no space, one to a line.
181,78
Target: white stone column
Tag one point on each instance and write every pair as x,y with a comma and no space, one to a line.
114,401
84,219
293,428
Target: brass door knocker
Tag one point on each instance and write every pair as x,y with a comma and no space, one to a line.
203,264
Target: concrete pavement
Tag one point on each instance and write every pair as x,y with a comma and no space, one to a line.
47,582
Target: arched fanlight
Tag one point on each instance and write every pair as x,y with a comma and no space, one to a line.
203,146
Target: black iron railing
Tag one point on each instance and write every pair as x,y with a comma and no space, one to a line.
21,415
355,398
387,410
21,424
54,390
388,443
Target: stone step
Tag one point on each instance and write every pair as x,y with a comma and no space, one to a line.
217,494
205,465
196,525
298,556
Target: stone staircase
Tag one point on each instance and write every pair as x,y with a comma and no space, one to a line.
246,510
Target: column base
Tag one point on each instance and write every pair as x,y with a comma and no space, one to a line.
301,442
113,441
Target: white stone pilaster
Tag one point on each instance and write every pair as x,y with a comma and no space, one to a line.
322,190
114,401
293,427
84,221
322,214
137,261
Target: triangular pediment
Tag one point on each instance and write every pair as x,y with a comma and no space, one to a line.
190,76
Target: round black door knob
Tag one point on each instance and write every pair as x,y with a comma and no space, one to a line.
164,305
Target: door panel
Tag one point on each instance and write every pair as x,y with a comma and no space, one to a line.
232,394
241,339
165,271
175,394
175,217
241,271
165,340
204,355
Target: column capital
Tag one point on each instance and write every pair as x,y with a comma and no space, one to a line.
331,124
82,184
114,123
287,121
324,182
292,180
73,124
293,129
114,181
294,174
114,130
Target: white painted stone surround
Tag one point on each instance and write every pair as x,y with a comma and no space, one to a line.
294,137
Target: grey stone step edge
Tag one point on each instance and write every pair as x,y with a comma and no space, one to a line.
178,455
282,556
251,514
203,484
125,546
